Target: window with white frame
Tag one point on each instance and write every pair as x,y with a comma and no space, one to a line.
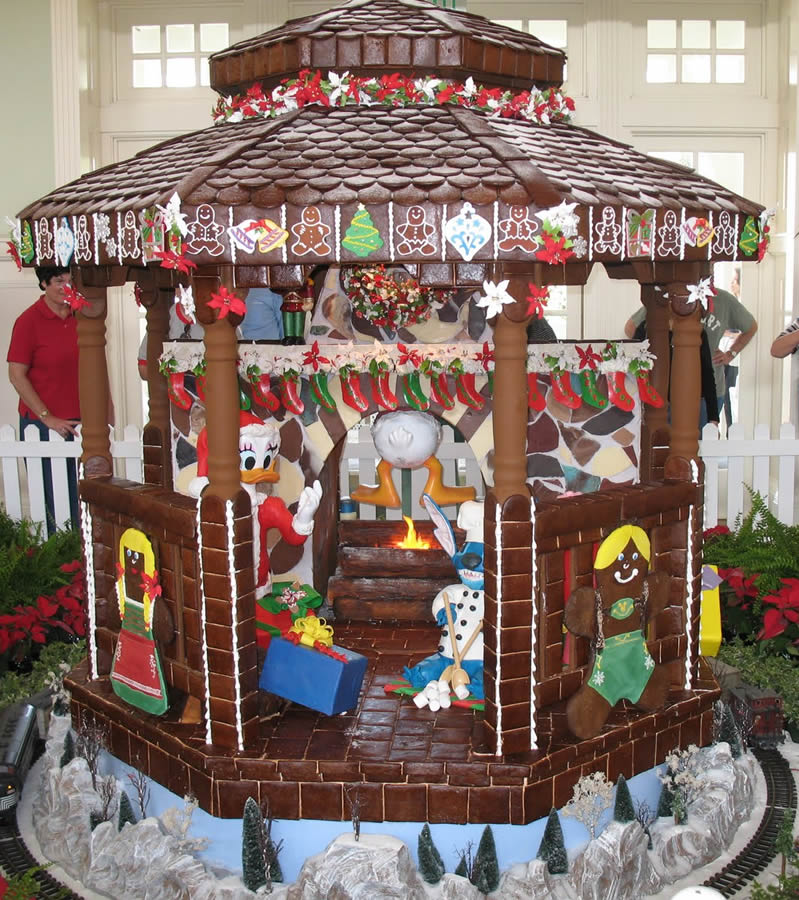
695,51
174,55
554,32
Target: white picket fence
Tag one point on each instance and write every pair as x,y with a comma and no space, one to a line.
23,486
766,464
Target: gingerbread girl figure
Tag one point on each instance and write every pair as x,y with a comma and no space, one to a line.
615,616
204,232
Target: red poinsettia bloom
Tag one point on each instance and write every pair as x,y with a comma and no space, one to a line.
717,531
785,611
227,302
312,357
14,254
741,585
486,357
409,356
171,260
536,300
588,357
74,298
554,250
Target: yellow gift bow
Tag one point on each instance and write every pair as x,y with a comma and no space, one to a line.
311,630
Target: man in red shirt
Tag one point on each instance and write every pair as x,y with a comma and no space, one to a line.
43,369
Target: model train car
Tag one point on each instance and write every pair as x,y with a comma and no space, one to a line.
17,738
759,715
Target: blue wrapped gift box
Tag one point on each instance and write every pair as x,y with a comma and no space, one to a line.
311,678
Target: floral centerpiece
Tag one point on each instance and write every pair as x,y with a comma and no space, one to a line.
389,301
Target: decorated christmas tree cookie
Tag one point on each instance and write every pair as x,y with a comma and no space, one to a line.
362,238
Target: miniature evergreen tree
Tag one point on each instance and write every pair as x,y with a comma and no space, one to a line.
126,813
431,866
623,809
461,869
666,802
783,842
553,849
69,750
362,238
485,872
729,732
252,856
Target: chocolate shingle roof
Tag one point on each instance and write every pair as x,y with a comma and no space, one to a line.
390,159
384,36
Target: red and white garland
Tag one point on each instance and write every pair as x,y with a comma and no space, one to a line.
334,90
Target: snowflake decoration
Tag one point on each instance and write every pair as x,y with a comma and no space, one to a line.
649,662
111,246
580,247
102,227
599,678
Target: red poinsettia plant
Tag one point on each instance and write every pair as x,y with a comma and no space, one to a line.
59,616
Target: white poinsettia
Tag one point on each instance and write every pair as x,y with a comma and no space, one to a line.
469,87
702,292
428,86
173,217
562,217
339,84
495,297
185,297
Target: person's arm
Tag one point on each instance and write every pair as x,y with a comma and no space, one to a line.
725,357
18,376
787,341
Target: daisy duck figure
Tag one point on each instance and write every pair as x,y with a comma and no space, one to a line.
457,667
259,447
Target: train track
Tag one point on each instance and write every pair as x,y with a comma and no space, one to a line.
15,858
758,853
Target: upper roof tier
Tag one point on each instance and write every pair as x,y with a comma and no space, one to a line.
376,37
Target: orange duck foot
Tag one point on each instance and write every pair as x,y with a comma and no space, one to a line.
384,493
443,495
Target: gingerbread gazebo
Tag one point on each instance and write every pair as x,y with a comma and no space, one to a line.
394,133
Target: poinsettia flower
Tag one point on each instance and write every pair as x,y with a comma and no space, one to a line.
702,293
312,357
785,611
742,585
174,219
554,250
409,357
171,260
588,357
74,298
495,297
14,254
715,531
227,302
537,299
486,357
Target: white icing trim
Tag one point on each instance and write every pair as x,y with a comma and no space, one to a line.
498,630
203,624
625,243
36,241
682,233
736,249
96,241
283,226
230,239
710,242
443,235
234,624
337,218
91,588
391,230
119,237
689,566
590,233
533,623
496,229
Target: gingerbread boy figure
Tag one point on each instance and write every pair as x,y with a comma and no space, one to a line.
615,616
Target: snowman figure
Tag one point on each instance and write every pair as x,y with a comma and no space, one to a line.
458,609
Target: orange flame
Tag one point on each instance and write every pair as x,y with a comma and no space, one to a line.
412,541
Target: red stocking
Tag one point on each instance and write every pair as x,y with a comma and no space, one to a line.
617,392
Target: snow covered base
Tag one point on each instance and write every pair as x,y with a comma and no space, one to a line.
154,862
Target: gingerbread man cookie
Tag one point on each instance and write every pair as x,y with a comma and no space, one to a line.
44,240
669,241
608,233
83,246
311,234
519,230
416,234
724,240
203,233
130,236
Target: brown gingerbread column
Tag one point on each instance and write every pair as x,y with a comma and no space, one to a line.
656,419
509,591
156,300
93,382
228,601
686,379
